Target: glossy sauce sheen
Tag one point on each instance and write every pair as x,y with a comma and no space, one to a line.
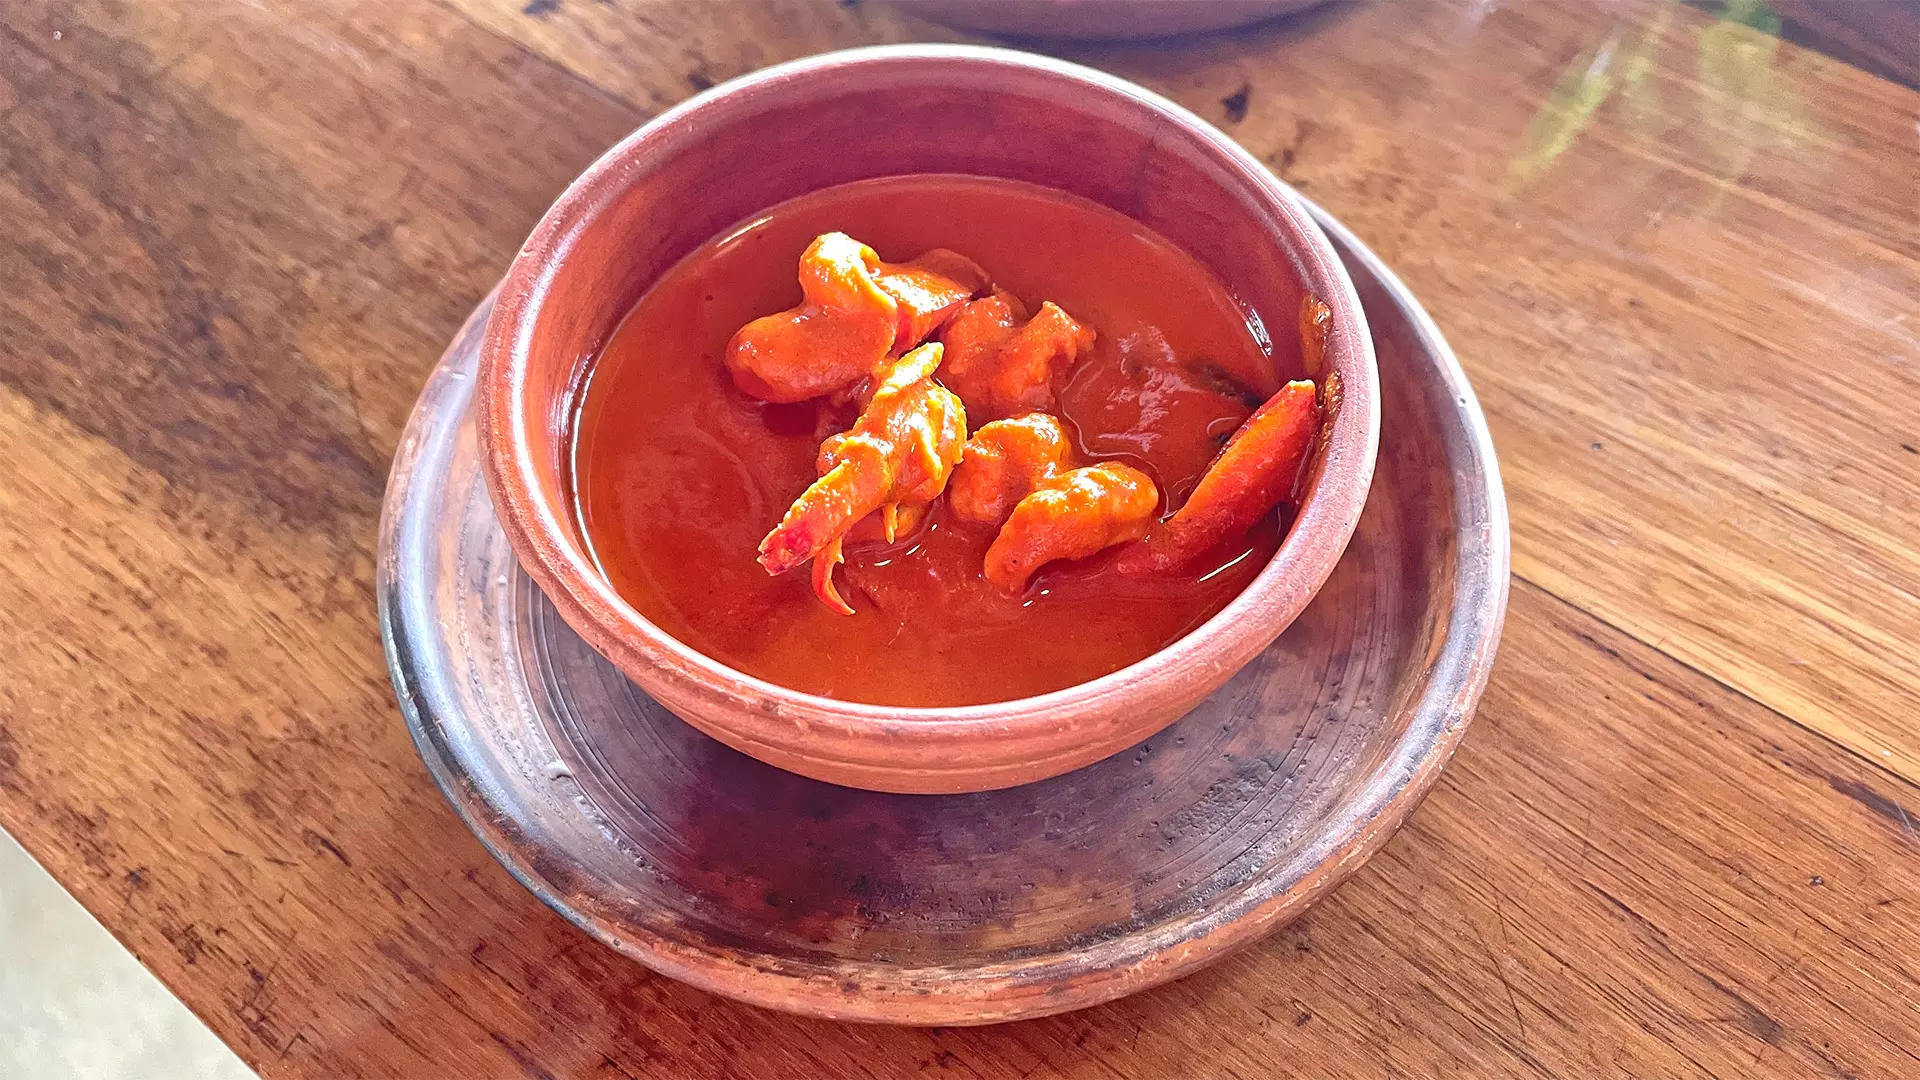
679,475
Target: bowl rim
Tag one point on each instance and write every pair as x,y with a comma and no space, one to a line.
1231,637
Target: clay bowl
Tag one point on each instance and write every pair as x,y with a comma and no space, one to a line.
788,130
1103,20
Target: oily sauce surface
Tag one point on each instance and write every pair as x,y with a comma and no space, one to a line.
679,475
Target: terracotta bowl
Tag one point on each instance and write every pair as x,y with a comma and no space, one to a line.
832,119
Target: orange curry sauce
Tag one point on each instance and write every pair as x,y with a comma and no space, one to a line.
679,474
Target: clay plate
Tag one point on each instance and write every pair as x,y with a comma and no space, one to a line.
795,894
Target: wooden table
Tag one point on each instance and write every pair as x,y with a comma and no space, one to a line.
1680,258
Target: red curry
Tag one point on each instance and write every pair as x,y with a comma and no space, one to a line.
1096,522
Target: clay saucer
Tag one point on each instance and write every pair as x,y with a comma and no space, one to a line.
766,886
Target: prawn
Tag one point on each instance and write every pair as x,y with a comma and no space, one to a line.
1001,362
1005,461
1255,471
929,290
899,453
855,311
1071,516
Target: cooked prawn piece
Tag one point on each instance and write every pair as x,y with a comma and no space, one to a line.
1071,516
899,453
844,327
1003,363
929,290
855,311
1005,460
1254,473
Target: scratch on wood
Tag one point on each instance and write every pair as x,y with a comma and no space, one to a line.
319,842
607,1062
1874,801
275,860
475,956
255,1011
520,1057
186,941
9,759
386,1023
1751,1018
1500,971
298,1037
136,879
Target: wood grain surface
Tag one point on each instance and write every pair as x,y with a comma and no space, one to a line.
1678,256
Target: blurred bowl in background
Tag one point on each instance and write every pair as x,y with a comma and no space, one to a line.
1101,20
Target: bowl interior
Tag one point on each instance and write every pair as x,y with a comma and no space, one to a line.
752,144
